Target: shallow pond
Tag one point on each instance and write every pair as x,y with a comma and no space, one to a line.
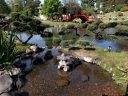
85,80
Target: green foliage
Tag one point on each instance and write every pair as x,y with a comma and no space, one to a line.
71,8
56,41
88,10
83,42
2,16
102,25
101,35
65,30
66,43
52,8
7,46
4,8
92,27
112,24
48,41
70,26
118,7
122,30
124,23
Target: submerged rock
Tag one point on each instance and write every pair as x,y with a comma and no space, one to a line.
5,83
63,82
48,55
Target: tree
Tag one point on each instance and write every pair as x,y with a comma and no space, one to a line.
4,8
86,3
31,7
17,5
52,8
72,8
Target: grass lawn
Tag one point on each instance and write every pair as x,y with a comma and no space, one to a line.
115,63
52,23
105,17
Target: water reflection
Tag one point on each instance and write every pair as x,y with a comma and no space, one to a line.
116,45
36,39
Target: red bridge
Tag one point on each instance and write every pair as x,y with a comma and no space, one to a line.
82,16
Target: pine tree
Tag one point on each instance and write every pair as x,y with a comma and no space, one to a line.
4,8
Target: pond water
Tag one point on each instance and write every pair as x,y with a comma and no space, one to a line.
85,80
116,45
36,39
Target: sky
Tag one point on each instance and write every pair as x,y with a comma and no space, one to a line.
60,0
42,1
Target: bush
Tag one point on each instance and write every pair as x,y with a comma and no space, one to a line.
15,15
100,35
83,42
64,31
48,41
2,16
118,7
124,23
84,25
102,25
122,30
112,24
56,41
26,18
88,10
70,26
66,43
92,27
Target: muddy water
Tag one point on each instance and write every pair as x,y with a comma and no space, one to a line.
85,80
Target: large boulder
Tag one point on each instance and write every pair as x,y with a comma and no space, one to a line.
5,83
11,72
5,94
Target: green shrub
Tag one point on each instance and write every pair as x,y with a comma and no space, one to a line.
88,10
98,22
48,41
124,23
64,31
122,30
118,7
7,46
92,27
83,42
15,15
102,25
70,26
56,41
112,24
100,35
66,43
26,18
2,16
